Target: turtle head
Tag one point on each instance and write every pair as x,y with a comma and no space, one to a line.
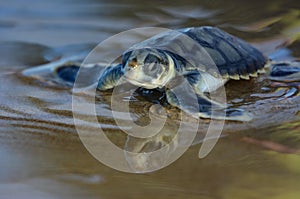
148,68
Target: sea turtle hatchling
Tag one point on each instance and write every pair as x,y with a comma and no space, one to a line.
156,62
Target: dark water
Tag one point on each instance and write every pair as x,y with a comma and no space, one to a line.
41,155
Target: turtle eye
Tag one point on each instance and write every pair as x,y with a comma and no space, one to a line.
132,63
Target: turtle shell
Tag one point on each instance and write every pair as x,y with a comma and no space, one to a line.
209,49
232,55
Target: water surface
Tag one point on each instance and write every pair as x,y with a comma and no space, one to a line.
41,154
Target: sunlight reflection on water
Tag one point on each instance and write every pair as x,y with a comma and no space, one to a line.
40,153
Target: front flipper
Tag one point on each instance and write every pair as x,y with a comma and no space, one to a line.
208,108
205,108
110,77
204,82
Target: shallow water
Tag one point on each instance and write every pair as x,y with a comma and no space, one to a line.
42,155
